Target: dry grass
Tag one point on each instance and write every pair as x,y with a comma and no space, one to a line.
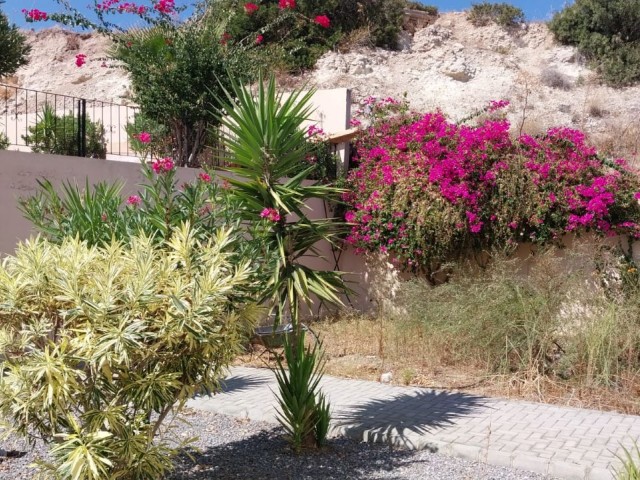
364,347
544,329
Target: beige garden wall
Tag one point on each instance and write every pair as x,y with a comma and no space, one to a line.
20,172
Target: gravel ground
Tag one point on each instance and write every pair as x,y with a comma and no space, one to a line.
229,448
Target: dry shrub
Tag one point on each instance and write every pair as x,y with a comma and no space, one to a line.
595,108
555,79
619,140
356,40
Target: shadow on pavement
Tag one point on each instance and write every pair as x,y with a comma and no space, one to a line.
416,413
267,456
238,383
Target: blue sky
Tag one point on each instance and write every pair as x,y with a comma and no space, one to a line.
534,9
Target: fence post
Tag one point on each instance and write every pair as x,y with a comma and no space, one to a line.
82,127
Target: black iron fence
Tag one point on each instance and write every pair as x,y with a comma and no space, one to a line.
54,123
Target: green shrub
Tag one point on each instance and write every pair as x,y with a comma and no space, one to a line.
503,14
99,213
4,141
176,75
101,346
607,33
58,135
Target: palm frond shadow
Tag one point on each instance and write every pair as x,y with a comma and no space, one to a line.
404,417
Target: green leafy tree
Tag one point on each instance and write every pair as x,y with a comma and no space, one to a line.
607,32
102,346
15,50
176,76
267,144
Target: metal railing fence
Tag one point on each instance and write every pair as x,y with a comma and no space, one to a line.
40,121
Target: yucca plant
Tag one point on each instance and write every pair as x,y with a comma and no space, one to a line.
630,469
102,346
267,145
304,411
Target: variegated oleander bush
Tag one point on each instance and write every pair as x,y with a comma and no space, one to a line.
103,345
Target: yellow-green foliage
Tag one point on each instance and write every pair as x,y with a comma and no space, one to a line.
101,344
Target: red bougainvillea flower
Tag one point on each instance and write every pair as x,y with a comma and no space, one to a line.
204,177
35,15
81,59
225,38
323,21
165,6
162,165
134,200
250,8
259,39
144,137
282,4
270,214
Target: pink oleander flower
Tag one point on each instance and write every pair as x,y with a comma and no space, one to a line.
250,8
259,39
104,217
204,177
144,137
134,200
35,15
283,4
270,214
322,20
162,165
81,59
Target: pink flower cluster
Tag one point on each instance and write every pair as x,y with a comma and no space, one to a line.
322,20
165,6
116,6
162,165
134,200
204,177
284,4
143,137
314,130
81,59
35,15
250,8
270,214
425,187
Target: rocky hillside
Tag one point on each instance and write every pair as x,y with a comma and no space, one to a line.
449,65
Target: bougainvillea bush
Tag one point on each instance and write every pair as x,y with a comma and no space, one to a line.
427,190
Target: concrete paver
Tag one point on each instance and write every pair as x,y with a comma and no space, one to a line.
560,441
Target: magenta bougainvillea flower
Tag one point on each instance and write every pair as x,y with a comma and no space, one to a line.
81,59
35,15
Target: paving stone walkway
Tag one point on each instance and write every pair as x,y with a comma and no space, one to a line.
567,443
